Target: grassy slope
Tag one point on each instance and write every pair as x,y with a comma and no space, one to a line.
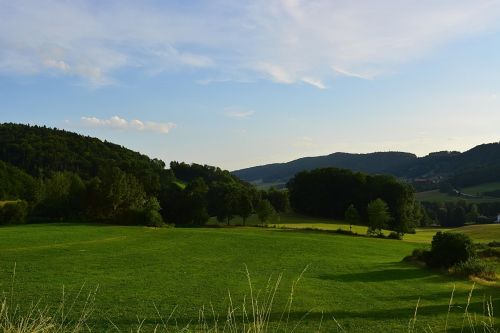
360,281
2,203
436,196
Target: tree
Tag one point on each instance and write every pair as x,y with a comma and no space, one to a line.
264,210
279,200
62,196
222,201
151,213
196,201
244,206
351,216
378,216
473,213
458,217
14,212
121,191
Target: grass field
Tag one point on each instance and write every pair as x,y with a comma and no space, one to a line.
359,281
2,203
481,233
436,196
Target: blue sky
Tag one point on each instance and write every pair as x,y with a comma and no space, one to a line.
242,83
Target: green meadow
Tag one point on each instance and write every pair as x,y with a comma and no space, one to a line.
353,284
478,190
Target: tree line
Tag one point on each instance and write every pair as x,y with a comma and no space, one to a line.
115,196
381,200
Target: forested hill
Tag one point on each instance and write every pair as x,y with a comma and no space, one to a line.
479,164
40,151
51,174
382,162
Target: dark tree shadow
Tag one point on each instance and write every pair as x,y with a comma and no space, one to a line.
390,274
403,314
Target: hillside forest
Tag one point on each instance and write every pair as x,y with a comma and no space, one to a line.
52,175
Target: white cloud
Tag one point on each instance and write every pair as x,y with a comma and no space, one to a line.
275,72
344,72
286,41
238,113
314,82
117,122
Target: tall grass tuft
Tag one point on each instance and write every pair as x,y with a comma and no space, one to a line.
45,319
253,315
471,322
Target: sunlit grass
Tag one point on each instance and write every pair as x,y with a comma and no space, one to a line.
359,281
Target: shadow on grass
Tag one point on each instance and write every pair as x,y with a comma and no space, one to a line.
388,274
402,314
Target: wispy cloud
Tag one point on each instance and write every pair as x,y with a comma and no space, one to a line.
117,122
238,113
285,41
314,82
344,72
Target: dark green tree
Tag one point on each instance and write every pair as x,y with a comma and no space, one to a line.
244,207
279,200
264,211
352,216
196,201
378,216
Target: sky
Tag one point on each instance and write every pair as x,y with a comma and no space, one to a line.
243,83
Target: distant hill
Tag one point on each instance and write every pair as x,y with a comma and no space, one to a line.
369,163
479,164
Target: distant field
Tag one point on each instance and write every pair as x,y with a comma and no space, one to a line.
482,188
180,184
361,282
266,186
483,233
2,203
436,196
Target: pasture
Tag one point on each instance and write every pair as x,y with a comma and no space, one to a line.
361,282
478,190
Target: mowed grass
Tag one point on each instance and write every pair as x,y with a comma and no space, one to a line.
480,233
361,282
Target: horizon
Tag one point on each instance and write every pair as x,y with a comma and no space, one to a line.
284,162
239,85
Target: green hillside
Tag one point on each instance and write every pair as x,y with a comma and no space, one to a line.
39,151
360,283
478,165
473,194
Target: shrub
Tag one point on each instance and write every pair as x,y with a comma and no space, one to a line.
152,218
418,255
147,217
14,212
474,267
490,253
394,235
494,244
448,249
346,232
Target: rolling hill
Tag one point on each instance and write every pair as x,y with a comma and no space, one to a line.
38,151
480,164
